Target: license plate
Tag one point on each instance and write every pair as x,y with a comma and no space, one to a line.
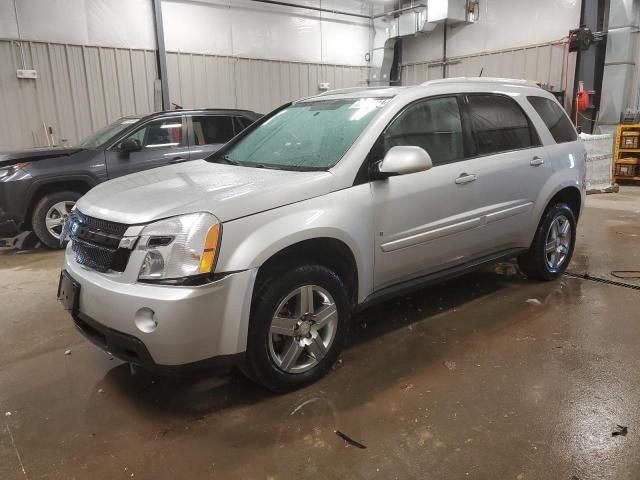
68,292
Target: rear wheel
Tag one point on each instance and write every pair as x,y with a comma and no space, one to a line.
552,246
49,215
298,327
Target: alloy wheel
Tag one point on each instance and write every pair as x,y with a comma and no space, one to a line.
558,242
303,329
56,216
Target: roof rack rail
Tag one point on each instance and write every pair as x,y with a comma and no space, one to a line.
517,81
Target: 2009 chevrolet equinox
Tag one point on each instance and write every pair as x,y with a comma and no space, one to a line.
258,255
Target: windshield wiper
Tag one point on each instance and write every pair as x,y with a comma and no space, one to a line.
227,160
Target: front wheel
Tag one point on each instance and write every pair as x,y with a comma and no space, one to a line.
49,215
298,327
552,246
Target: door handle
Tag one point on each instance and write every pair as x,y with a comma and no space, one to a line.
177,160
466,178
536,161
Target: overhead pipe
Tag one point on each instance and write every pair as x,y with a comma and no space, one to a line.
398,11
15,11
315,9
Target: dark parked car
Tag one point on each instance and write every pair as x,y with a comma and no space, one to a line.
39,186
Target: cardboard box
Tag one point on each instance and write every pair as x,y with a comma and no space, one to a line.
629,139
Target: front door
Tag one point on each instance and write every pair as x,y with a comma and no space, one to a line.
424,221
162,141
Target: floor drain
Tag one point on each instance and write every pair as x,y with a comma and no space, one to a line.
586,276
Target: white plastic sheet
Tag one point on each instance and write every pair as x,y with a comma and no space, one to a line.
599,157
249,29
112,23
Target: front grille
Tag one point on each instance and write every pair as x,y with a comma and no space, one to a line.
95,242
98,224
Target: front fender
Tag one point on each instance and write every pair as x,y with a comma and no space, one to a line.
344,215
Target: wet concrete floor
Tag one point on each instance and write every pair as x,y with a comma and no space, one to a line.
462,380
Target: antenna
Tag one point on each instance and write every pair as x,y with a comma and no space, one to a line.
481,70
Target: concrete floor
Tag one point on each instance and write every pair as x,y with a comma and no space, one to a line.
464,380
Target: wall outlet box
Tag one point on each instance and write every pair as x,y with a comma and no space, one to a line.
323,86
27,73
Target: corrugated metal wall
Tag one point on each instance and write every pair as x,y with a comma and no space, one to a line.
78,90
259,85
546,63
81,88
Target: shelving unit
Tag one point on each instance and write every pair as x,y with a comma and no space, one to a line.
626,161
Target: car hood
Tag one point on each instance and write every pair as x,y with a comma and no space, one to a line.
8,158
226,191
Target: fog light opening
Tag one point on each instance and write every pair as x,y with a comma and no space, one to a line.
146,320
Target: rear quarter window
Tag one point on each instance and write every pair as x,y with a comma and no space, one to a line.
554,118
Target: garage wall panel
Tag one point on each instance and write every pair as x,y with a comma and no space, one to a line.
78,90
200,80
547,63
82,88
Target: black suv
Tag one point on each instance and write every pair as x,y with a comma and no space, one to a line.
39,186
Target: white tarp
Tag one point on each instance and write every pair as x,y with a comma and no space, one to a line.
599,159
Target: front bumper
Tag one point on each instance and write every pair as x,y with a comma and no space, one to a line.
9,224
198,325
133,350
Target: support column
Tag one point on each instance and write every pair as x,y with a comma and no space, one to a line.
161,53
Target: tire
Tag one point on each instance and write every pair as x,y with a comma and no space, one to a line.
539,263
57,201
288,359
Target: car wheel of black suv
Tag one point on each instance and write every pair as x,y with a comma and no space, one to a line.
49,215
552,247
298,327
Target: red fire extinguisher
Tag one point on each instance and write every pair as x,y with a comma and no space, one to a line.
582,98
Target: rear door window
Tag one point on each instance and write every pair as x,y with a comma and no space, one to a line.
554,118
433,124
242,123
499,124
212,129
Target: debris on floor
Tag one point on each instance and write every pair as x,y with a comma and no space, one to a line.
622,431
533,301
629,274
67,352
350,440
100,390
8,414
450,365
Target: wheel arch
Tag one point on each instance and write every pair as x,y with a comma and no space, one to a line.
571,196
329,252
81,184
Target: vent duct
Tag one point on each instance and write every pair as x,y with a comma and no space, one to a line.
404,19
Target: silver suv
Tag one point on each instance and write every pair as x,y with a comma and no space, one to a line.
258,255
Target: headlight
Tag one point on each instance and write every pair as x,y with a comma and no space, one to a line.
8,171
179,247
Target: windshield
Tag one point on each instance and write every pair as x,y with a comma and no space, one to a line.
105,133
307,136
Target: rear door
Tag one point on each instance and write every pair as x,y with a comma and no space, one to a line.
208,133
163,141
510,168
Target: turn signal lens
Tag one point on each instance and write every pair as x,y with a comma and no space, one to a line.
210,246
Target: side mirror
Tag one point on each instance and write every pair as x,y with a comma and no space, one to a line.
130,145
404,160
